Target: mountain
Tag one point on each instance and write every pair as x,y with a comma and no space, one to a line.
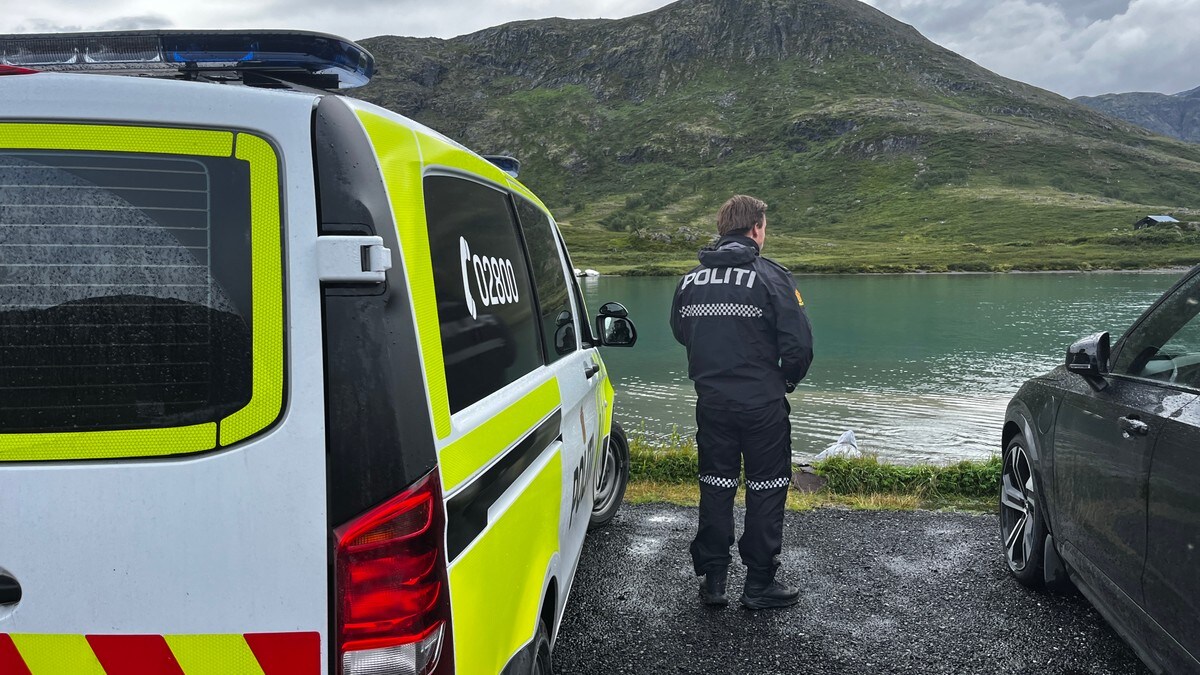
1177,115
876,149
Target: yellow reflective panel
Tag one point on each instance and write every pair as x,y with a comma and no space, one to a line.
496,585
464,457
266,283
110,138
108,444
438,153
608,395
266,276
213,655
400,163
57,654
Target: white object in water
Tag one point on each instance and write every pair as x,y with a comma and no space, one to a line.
591,273
846,446
578,272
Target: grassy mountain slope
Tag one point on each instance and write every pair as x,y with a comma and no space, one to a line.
1174,115
877,150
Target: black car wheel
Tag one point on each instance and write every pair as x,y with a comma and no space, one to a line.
612,479
1022,529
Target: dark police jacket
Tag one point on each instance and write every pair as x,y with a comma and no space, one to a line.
744,325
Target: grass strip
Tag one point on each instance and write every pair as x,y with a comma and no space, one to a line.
667,473
863,475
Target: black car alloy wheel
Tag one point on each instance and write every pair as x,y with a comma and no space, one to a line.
1021,525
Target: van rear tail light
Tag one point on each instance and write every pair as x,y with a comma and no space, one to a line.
393,602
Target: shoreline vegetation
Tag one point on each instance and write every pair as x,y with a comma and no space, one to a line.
665,471
1088,249
678,267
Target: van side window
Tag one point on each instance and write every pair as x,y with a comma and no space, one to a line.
485,301
558,317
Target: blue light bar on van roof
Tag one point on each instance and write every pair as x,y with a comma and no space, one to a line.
192,51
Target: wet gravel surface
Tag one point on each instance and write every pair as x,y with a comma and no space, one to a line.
910,592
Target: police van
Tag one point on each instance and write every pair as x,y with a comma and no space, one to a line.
288,383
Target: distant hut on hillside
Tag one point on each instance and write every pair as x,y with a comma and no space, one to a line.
1153,221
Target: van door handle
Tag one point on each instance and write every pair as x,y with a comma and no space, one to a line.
1133,426
591,370
10,590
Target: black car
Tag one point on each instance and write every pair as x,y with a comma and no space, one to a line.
1101,479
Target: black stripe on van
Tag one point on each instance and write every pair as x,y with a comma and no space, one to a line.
467,510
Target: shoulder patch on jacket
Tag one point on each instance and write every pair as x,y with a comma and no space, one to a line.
799,299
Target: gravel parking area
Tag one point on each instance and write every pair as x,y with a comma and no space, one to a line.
908,592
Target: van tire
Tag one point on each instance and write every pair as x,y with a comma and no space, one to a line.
543,662
612,480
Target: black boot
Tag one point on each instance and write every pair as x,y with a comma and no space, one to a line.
712,589
767,594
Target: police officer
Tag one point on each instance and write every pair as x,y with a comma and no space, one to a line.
748,343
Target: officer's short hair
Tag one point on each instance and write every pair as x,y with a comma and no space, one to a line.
739,214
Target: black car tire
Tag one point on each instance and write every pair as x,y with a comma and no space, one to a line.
543,662
1022,527
613,478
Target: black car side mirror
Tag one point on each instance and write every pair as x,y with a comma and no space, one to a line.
614,327
1089,357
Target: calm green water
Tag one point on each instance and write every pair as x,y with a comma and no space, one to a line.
921,367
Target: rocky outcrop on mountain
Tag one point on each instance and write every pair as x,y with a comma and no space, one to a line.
1177,115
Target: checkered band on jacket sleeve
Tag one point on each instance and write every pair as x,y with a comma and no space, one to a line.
721,309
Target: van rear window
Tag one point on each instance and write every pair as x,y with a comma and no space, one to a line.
125,290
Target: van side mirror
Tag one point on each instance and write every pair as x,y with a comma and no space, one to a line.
614,327
614,309
1088,357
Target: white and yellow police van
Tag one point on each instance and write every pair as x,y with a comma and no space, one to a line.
288,383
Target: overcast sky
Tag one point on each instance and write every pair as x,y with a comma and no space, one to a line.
1073,47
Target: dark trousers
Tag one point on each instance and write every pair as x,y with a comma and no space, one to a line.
763,438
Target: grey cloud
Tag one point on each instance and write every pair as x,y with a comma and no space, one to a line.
1072,47
143,22
932,19
939,16
1094,10
45,26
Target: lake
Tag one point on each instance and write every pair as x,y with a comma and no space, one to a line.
919,366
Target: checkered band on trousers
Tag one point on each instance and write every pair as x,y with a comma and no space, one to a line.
717,481
774,484
721,309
